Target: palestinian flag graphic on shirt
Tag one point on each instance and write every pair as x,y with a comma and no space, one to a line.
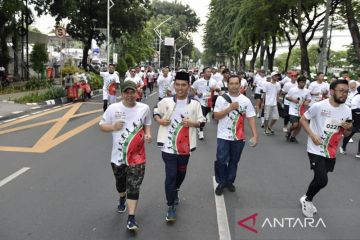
111,87
237,128
331,140
132,145
179,139
300,108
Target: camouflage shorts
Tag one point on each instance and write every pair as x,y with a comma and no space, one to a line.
128,178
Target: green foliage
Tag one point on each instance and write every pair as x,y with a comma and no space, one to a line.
130,60
38,57
121,67
34,84
70,70
52,93
95,81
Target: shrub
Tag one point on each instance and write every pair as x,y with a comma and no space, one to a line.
52,93
95,81
130,60
122,67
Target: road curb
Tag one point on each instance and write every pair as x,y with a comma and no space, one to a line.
56,101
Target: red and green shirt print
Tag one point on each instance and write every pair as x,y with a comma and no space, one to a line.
325,121
178,141
231,127
129,142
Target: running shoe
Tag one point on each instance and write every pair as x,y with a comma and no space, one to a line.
132,224
307,207
201,135
342,151
122,205
171,214
230,187
357,155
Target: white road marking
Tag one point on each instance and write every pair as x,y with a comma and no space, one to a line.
24,116
13,176
222,219
10,120
35,108
17,112
36,112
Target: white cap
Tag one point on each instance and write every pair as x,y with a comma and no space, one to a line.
275,73
142,69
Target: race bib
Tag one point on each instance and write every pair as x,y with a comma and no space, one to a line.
332,125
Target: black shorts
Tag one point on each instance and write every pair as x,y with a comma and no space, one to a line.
257,96
294,119
316,160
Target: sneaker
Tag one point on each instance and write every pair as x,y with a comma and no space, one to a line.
132,224
351,140
307,207
177,200
285,130
288,136
357,155
230,187
293,140
258,115
262,125
122,205
271,131
201,135
219,190
171,214
342,151
267,133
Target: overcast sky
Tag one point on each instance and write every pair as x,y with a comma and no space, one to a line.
46,23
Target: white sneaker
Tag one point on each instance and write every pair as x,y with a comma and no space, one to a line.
258,115
201,135
307,207
285,130
351,140
342,151
357,155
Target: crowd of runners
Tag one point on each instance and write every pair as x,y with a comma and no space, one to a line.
189,99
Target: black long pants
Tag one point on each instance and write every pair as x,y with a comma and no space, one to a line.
321,166
346,141
175,170
286,115
105,105
205,111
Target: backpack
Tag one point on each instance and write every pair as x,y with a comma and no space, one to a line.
228,99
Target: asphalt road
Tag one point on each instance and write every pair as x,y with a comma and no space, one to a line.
67,190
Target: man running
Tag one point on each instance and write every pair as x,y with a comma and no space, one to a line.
111,82
298,98
164,82
129,122
286,88
138,82
271,90
231,110
178,116
204,89
329,120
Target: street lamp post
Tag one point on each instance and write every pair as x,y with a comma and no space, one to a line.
180,51
158,33
108,29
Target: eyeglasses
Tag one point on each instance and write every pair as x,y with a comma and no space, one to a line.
342,91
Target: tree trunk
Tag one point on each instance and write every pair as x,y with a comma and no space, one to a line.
87,46
255,51
243,60
305,66
353,27
271,55
262,53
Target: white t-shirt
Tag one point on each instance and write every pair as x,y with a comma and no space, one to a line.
285,80
271,91
203,86
350,96
109,86
140,75
259,82
286,88
315,88
355,103
137,80
296,109
178,136
325,121
150,76
231,127
164,83
218,77
128,143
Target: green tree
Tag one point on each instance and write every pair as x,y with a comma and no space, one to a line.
87,16
38,57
